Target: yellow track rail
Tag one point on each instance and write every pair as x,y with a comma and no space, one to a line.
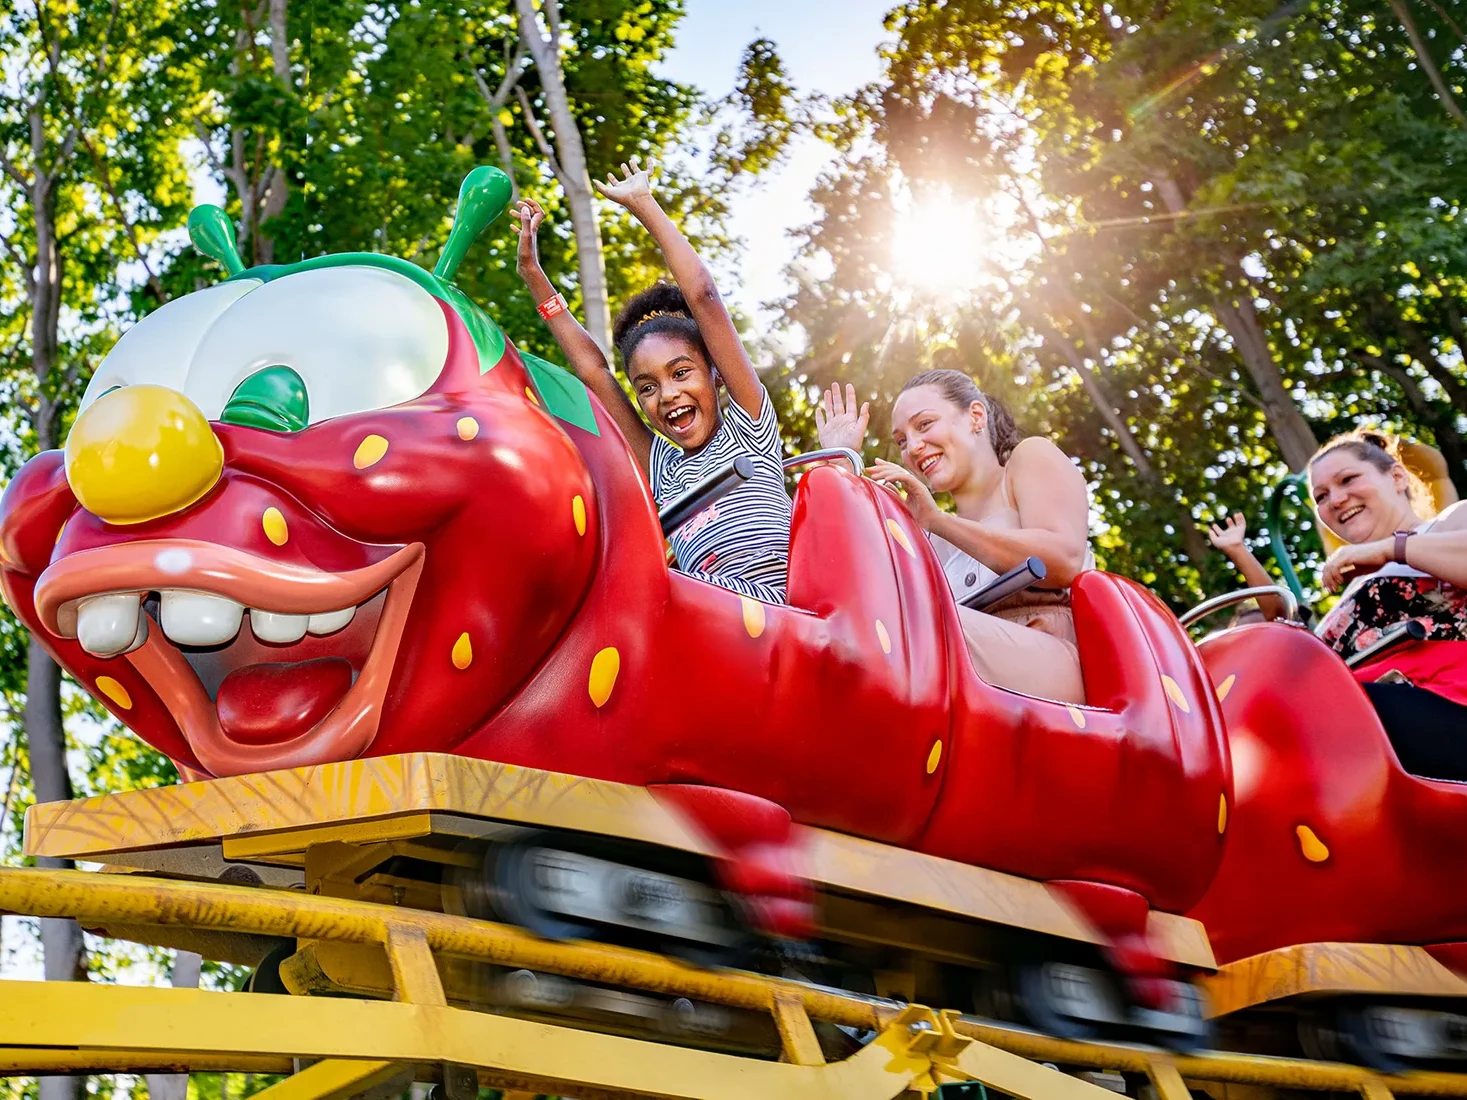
58,1027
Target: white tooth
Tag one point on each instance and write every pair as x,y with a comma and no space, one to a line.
108,625
141,636
197,618
329,622
272,626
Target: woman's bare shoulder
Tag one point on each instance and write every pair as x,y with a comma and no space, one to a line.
1451,518
1035,452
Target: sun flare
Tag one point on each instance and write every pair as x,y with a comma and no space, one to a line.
940,244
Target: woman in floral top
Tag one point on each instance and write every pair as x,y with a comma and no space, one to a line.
1398,565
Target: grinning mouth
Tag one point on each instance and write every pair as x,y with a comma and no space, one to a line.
1350,513
262,664
927,463
681,418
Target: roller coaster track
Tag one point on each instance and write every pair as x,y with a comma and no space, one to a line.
341,1047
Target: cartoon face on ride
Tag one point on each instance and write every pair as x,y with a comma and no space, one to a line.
255,545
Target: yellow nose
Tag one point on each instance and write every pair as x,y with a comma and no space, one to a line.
141,452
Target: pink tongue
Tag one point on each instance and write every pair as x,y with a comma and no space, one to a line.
269,703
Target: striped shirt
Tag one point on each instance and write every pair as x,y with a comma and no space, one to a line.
741,541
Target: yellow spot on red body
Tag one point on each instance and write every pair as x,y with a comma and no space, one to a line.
1222,813
1225,687
114,691
1312,847
468,427
604,667
753,614
883,637
275,527
1078,715
531,395
369,452
578,513
934,757
463,652
1174,693
900,536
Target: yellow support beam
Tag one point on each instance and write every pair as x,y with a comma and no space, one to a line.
178,1025
334,1079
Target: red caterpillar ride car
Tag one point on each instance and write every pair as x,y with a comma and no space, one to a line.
325,510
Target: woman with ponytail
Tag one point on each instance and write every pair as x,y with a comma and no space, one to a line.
1014,498
678,344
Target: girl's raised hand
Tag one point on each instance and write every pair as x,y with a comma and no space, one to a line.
1229,535
528,216
635,185
918,497
837,423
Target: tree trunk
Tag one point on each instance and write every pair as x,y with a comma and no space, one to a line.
61,940
1424,59
174,1086
574,174
1295,438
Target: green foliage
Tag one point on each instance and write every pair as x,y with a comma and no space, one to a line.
1205,221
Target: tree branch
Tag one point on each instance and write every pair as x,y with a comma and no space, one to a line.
1418,45
538,134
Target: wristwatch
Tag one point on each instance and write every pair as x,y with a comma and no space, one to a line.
1400,550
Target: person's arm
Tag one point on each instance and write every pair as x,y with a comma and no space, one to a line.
580,350
1228,537
634,192
1441,552
1054,513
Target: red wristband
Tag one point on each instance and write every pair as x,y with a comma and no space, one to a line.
552,306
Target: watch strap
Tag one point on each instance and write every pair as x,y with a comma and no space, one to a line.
1400,548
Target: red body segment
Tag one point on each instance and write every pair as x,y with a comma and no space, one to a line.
1329,840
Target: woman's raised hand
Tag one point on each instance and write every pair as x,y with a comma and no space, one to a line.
1228,536
836,421
918,497
528,216
634,187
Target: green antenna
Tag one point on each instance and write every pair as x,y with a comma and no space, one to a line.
482,198
213,235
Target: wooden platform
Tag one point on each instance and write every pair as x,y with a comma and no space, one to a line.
269,820
1331,968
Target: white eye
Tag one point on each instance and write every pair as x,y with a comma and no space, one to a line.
158,349
360,338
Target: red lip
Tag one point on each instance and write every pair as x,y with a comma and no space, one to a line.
350,726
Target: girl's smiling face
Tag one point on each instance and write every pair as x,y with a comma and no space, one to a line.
936,437
1355,499
673,381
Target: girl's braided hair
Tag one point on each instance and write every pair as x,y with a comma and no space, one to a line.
962,391
661,308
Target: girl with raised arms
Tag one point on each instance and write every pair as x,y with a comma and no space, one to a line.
677,345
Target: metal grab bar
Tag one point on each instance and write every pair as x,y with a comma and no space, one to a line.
711,488
1027,572
827,453
1227,599
1410,631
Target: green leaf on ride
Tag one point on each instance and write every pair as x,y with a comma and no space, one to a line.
564,394
273,399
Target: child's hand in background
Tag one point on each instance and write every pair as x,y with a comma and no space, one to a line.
1229,536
